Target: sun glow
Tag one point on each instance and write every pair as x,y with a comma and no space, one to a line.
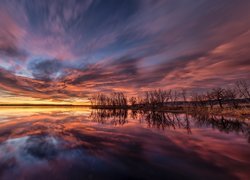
36,101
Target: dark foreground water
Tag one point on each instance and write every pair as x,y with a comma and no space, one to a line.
69,143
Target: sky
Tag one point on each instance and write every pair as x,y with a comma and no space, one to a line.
57,51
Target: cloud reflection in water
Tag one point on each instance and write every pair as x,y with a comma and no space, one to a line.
111,144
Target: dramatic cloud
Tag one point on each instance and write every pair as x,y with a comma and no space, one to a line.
62,50
46,69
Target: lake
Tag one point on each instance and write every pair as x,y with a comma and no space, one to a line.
80,143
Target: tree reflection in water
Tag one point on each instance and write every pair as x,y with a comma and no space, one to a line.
223,124
113,116
167,120
163,120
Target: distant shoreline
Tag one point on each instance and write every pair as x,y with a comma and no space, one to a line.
45,105
242,112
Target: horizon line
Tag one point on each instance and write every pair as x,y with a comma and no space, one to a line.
43,104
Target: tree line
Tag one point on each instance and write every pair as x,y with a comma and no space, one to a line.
114,99
230,96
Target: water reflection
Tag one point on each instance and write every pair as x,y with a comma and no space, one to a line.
227,125
121,144
166,120
113,116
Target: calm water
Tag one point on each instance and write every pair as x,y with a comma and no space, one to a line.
68,143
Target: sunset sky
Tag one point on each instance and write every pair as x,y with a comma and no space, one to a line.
58,51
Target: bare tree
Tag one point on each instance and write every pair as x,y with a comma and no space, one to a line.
174,96
115,99
157,97
132,101
218,94
243,88
210,99
231,95
184,94
199,100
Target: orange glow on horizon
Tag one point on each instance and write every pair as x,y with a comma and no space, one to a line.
36,101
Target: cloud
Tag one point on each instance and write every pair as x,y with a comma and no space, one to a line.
108,72
46,69
10,50
222,66
23,86
75,48
10,33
